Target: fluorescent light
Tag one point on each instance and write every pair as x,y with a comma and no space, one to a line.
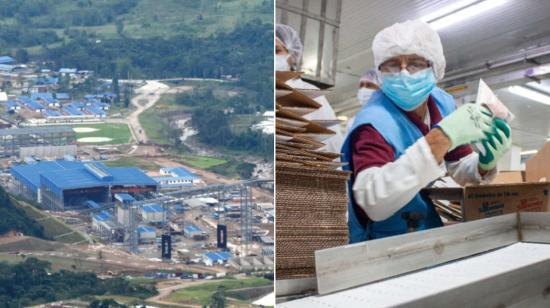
447,10
461,13
530,152
530,94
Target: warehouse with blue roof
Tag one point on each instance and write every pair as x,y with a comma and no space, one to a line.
63,184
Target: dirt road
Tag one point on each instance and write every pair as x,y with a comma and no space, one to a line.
146,98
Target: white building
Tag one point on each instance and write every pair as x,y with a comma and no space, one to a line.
153,213
146,234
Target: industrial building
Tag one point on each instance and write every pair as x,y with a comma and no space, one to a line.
175,178
43,142
153,213
194,232
60,184
218,257
124,208
103,224
146,235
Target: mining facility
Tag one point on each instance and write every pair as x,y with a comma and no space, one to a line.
171,216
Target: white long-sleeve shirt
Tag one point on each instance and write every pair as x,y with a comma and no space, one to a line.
382,191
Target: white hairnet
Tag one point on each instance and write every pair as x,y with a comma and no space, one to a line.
410,37
371,76
291,40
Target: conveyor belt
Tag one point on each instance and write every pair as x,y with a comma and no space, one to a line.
479,270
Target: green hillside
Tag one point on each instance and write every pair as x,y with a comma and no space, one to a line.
14,218
37,25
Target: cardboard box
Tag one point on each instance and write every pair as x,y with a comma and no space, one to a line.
508,177
537,168
482,201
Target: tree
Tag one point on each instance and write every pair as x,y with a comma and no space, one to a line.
245,170
119,27
218,298
22,56
116,89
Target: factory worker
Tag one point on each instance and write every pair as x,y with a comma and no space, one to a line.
368,84
288,54
409,134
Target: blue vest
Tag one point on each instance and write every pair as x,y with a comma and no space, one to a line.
396,128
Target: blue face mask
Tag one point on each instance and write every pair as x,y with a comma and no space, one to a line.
408,91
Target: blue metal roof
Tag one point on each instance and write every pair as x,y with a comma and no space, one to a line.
12,104
31,172
6,67
181,172
31,103
103,216
95,110
124,198
152,208
62,95
52,113
218,256
143,229
75,174
72,110
42,95
6,59
191,228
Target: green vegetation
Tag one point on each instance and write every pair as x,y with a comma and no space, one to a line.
31,282
14,218
118,133
133,162
106,303
52,227
202,294
43,24
202,162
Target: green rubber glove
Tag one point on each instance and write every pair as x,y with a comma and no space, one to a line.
468,124
495,145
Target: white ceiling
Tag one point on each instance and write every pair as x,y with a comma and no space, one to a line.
513,27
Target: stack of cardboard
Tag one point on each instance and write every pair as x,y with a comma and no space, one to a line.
311,191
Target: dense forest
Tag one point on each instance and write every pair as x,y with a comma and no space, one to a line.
14,218
207,108
32,282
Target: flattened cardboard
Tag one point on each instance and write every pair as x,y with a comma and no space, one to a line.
297,99
327,123
290,122
284,76
281,93
300,111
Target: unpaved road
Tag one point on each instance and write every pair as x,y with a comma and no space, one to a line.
146,98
